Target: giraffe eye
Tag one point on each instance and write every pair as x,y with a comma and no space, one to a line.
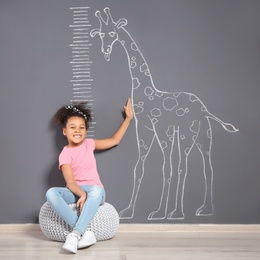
112,34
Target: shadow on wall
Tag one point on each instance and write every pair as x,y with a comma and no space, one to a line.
54,175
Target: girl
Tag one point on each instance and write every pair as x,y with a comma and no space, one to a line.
78,166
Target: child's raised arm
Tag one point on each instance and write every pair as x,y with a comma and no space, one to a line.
119,134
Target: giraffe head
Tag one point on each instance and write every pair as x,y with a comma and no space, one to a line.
108,31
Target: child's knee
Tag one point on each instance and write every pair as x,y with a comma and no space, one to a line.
50,194
97,193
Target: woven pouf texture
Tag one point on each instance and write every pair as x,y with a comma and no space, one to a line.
104,225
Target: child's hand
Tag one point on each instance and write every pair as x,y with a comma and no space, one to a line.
81,202
129,110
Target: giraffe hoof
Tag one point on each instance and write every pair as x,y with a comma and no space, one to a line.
156,215
126,213
175,215
204,211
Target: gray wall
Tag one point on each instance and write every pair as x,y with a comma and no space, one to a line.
205,47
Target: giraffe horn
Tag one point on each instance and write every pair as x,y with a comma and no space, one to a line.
98,15
109,16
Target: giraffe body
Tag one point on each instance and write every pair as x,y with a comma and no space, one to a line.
173,119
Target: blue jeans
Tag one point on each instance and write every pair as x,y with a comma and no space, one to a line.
59,198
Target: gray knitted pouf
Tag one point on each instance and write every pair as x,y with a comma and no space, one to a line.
104,225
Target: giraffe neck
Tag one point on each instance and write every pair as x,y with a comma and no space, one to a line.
138,68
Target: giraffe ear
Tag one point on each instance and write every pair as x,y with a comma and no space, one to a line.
94,32
121,23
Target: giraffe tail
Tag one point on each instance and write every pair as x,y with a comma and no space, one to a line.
228,127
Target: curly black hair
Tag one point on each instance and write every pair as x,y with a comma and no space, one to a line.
77,109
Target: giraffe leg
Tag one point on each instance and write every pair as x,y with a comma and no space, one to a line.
128,212
207,208
144,149
178,212
161,212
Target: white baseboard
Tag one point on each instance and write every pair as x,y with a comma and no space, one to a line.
19,227
188,228
154,227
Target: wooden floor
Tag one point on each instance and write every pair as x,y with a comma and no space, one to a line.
137,245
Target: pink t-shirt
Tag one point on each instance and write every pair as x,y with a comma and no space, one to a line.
83,163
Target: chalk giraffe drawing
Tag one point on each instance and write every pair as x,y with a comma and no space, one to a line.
176,118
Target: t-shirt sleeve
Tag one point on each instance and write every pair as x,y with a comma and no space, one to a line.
64,158
91,143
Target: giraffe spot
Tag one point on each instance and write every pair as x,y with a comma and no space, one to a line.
176,94
134,47
148,91
141,103
151,98
180,112
163,144
199,146
143,158
193,98
138,109
195,126
156,112
194,137
143,67
182,137
154,121
187,110
203,109
135,83
133,58
147,73
209,133
158,94
170,130
122,42
141,143
133,64
170,103
187,151
146,147
171,138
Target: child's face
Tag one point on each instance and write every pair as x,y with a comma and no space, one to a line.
75,131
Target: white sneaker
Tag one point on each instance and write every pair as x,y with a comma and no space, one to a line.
87,239
71,243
